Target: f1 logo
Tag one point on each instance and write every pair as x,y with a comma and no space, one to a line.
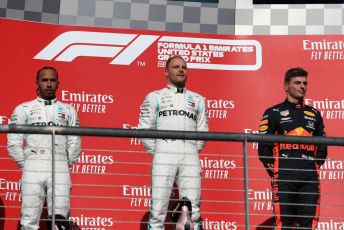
70,45
125,48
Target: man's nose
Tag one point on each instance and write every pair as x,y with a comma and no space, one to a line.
303,86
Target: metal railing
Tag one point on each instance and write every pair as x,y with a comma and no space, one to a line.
167,134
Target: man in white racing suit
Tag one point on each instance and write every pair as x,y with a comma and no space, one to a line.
34,159
174,108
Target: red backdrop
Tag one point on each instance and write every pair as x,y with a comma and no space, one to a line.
106,73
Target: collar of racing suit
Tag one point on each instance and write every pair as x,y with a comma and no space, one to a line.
46,102
176,89
295,106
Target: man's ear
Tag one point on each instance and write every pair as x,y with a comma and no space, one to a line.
37,88
285,86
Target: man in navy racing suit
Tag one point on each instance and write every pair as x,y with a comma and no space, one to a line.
174,108
35,159
294,167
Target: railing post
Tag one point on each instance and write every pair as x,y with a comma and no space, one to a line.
247,205
53,136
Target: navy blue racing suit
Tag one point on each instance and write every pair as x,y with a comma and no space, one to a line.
293,167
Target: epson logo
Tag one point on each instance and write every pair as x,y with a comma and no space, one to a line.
126,48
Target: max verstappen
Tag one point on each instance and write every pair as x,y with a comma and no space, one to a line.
294,167
174,108
34,159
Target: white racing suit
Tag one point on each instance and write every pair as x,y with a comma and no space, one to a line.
35,159
166,109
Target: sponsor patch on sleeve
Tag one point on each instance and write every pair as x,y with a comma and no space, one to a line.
309,113
263,122
263,128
